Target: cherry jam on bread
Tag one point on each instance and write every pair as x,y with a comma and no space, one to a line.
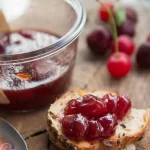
91,118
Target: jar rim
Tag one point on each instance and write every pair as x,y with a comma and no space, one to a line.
57,46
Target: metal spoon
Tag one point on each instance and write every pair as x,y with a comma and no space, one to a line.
11,134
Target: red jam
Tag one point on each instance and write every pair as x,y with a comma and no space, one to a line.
36,84
5,145
91,118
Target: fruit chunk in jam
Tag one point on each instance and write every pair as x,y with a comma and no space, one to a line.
92,106
36,84
72,107
88,105
109,123
111,102
74,126
123,106
94,130
92,118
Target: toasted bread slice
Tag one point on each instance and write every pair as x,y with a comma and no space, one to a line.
128,131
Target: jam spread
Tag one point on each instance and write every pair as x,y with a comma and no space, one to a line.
92,118
36,84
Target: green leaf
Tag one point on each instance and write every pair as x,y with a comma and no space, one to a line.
120,15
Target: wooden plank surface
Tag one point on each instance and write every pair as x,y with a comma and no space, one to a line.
90,73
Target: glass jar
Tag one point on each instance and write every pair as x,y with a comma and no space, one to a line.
49,68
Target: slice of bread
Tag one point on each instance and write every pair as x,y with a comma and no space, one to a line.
128,131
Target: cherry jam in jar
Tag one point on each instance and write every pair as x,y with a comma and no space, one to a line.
37,82
38,55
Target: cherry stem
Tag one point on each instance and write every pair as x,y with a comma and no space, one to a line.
113,25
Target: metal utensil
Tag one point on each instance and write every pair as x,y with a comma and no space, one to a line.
11,134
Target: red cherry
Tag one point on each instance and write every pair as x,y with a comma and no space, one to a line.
143,55
92,106
126,28
123,106
109,123
111,102
72,107
103,13
125,44
94,130
74,126
99,40
119,64
131,15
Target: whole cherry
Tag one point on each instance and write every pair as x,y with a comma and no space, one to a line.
99,40
119,64
125,44
131,15
103,13
143,55
127,28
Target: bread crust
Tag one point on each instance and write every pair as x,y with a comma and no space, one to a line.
113,143
119,142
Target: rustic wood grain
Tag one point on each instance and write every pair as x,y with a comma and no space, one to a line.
90,73
38,142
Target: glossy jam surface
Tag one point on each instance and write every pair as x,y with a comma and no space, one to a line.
36,84
92,118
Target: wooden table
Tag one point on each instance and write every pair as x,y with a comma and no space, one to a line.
90,73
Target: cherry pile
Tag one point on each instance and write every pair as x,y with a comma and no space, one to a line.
126,18
92,118
100,41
